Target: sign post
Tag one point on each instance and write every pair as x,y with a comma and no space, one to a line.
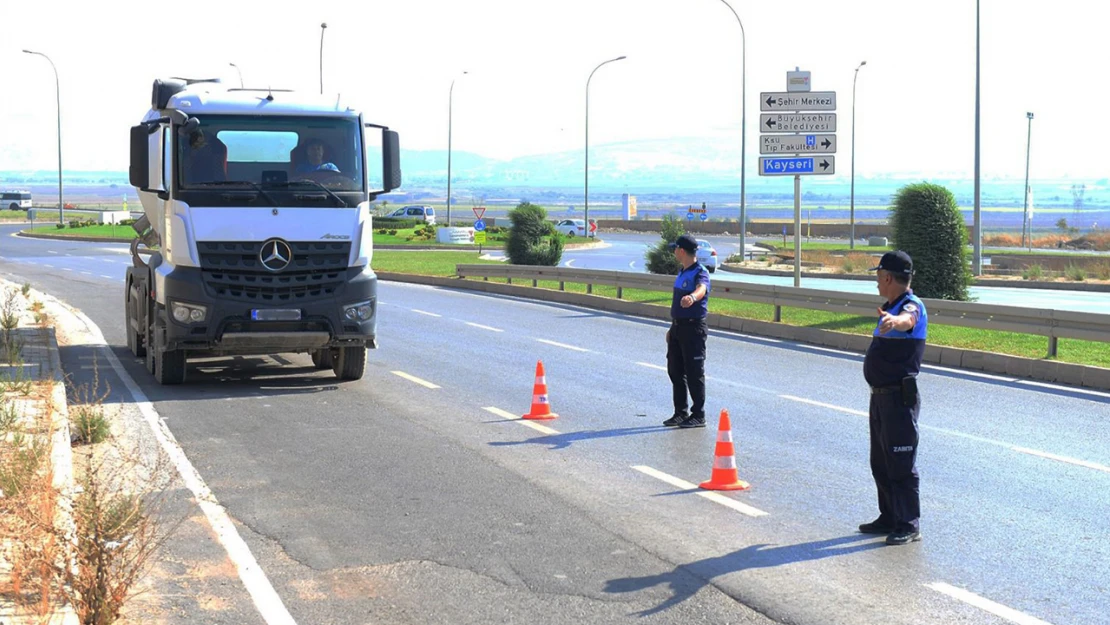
807,121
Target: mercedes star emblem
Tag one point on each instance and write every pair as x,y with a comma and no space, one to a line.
275,255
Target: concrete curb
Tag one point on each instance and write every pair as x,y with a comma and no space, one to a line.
1014,284
954,357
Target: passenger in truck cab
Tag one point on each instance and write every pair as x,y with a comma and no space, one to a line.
312,155
205,159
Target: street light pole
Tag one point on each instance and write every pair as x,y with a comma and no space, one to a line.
240,74
1026,224
450,104
323,27
743,126
852,204
58,93
586,196
977,239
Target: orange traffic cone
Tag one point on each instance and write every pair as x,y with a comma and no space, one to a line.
541,406
725,476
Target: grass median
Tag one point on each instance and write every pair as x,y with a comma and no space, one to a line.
1012,343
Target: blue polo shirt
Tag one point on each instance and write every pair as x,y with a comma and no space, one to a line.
685,283
896,354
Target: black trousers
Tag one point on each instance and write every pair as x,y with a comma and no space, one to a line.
686,365
894,440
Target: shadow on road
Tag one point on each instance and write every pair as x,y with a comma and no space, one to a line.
562,441
686,580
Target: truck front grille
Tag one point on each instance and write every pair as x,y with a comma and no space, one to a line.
233,271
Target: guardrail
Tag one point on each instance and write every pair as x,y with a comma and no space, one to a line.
1053,324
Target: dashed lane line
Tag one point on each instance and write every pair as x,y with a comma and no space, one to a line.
413,378
563,345
858,413
997,609
517,419
482,327
727,502
424,312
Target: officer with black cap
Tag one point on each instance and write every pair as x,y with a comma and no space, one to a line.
891,366
687,335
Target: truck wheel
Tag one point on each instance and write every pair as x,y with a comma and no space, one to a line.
321,358
135,340
349,363
169,367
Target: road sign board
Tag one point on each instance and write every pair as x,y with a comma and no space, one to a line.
479,212
480,238
689,216
797,101
705,217
480,225
797,122
797,144
797,165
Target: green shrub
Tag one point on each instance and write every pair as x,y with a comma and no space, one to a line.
1033,272
398,222
393,233
532,240
1103,271
89,424
927,225
1075,273
660,259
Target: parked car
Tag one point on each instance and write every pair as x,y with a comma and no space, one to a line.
15,200
427,214
707,256
575,228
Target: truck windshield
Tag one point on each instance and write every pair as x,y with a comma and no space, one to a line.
281,155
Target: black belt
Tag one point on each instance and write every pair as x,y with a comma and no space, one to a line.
885,390
688,320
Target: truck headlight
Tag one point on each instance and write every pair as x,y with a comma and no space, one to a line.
362,311
188,313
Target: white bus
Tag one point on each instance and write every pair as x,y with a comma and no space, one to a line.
15,200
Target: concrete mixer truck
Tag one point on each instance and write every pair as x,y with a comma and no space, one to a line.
256,237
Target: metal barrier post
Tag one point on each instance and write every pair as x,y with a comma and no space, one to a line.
1052,346
562,285
534,282
778,313
590,288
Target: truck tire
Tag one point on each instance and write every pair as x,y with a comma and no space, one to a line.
135,340
349,363
169,367
321,358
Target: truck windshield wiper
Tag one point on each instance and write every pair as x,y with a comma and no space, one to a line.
291,183
227,183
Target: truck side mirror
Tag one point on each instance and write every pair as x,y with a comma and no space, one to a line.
146,170
391,160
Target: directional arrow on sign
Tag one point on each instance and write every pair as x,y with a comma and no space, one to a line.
770,123
826,143
824,164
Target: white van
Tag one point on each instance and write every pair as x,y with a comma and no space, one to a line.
15,200
427,214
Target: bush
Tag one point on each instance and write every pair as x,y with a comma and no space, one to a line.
532,240
392,233
927,225
660,259
1103,271
1075,273
89,425
1033,272
398,222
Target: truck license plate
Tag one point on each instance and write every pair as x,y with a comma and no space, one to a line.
276,314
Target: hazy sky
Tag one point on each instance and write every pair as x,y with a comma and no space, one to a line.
529,60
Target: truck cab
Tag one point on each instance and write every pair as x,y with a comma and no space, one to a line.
257,227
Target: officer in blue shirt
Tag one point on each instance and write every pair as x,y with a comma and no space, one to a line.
891,366
687,335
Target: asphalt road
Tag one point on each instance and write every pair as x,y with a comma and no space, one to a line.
407,497
625,252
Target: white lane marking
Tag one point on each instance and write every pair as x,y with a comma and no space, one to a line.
983,603
632,265
424,312
66,269
563,345
266,599
728,502
86,273
570,263
811,402
517,418
104,276
50,266
482,327
413,378
651,366
1083,463
51,252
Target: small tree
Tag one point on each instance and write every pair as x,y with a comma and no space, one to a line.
532,239
927,225
660,259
